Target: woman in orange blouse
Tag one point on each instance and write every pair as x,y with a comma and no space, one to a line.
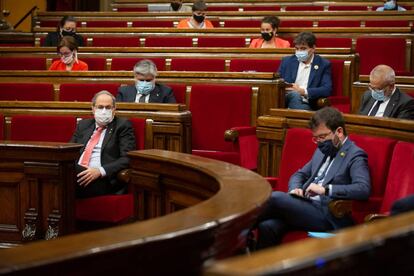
269,37
198,20
68,49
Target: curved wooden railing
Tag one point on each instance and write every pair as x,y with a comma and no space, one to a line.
224,199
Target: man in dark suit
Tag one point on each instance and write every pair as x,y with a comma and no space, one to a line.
384,99
145,90
308,75
337,170
107,140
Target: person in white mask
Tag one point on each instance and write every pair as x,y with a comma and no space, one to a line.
390,6
307,75
107,139
146,89
68,53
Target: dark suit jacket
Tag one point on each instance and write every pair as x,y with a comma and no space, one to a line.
320,78
53,39
400,106
160,94
118,141
348,175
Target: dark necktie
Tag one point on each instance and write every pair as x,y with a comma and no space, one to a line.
142,98
375,108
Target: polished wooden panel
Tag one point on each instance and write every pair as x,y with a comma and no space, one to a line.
227,199
36,190
271,131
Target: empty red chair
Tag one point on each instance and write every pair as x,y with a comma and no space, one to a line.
339,23
258,65
296,23
127,64
387,23
106,24
223,8
117,41
261,8
112,209
337,98
381,50
95,63
1,127
242,23
84,92
198,64
334,42
304,8
179,91
157,23
222,42
133,9
168,41
215,109
22,63
26,92
42,128
347,8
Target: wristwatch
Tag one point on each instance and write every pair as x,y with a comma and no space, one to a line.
327,190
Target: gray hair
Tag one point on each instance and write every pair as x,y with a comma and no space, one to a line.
145,67
384,72
103,92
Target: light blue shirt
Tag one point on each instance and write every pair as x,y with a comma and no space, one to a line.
398,9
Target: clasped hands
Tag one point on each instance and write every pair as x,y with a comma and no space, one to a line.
87,176
312,190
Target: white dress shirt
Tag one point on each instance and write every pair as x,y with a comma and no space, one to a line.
302,77
139,97
383,106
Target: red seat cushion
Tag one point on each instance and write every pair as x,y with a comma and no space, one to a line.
155,23
261,8
197,64
296,23
221,42
139,125
242,23
84,92
26,92
22,63
116,42
387,23
304,8
258,65
179,91
347,8
2,127
128,63
42,128
168,42
95,63
338,23
133,9
337,67
334,42
223,8
109,208
107,23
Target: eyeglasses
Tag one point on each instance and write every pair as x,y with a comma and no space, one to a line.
320,137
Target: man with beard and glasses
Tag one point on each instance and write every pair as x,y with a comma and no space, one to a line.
198,20
107,139
337,170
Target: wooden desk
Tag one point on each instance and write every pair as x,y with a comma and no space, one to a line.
37,190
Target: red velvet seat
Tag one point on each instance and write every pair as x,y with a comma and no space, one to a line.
296,23
84,92
258,65
1,127
168,42
261,8
242,23
381,50
26,92
42,128
112,208
117,41
198,64
49,23
157,23
222,42
337,99
334,42
133,9
387,23
95,63
22,63
347,8
215,109
338,23
304,8
223,8
128,63
179,91
106,24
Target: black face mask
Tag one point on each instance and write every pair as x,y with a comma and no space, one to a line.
175,6
66,33
267,36
198,18
328,148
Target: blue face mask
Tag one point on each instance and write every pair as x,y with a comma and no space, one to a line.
378,95
144,87
302,56
389,5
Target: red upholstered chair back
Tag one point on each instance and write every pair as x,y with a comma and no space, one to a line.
127,63
216,108
139,125
334,42
242,23
133,9
42,128
298,149
381,50
296,23
347,8
51,23
387,23
168,42
26,92
108,23
261,8
223,8
22,63
1,127
221,42
304,8
198,64
157,23
258,65
338,23
337,67
379,152
84,92
95,63
400,181
179,91
116,42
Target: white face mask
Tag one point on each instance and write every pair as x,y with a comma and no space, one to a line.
103,116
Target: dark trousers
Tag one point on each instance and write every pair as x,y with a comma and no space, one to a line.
403,205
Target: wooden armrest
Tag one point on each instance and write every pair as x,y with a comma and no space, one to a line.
231,135
124,175
374,217
340,208
322,102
